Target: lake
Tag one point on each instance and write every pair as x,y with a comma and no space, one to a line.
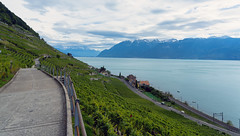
213,84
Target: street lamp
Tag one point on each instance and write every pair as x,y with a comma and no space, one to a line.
195,103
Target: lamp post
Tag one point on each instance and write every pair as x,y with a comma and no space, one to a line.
195,103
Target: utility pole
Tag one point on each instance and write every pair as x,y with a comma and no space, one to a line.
195,103
218,114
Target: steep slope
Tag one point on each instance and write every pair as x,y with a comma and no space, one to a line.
19,45
108,106
11,19
224,48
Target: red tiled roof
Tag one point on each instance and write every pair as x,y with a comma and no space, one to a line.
144,83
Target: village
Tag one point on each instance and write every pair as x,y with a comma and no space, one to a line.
142,85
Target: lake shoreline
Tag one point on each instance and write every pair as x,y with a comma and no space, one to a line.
229,129
205,82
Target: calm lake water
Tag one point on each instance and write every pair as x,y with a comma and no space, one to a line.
213,84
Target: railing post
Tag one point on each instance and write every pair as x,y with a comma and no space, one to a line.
53,72
71,97
61,73
68,85
83,131
57,72
76,122
65,79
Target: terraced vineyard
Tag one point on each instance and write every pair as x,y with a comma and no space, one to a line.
18,49
11,60
108,106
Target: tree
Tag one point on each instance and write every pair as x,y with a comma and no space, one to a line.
136,84
58,56
229,122
120,75
102,69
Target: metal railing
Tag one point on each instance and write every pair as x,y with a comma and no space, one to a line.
63,77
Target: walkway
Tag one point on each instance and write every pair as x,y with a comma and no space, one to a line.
33,104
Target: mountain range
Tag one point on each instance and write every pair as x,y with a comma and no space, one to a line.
222,48
78,51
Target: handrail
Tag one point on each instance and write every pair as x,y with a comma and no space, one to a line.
74,101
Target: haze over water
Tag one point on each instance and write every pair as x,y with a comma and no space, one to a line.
213,84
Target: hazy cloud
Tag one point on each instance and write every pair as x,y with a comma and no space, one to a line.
35,19
232,7
176,24
112,34
158,11
200,24
112,5
99,24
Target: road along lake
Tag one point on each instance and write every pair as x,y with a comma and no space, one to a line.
212,85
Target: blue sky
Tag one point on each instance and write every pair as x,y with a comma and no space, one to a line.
99,24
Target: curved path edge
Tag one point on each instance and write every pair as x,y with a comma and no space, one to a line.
10,82
69,131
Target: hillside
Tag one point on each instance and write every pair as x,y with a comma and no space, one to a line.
222,48
108,106
11,19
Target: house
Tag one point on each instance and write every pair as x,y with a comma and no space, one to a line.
93,74
105,73
91,67
132,80
144,83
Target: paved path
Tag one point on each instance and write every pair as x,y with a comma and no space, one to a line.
200,122
32,105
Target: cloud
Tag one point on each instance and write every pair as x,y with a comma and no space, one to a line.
201,24
192,10
35,19
232,7
65,31
43,5
70,44
112,5
39,5
112,34
187,24
102,23
175,24
158,11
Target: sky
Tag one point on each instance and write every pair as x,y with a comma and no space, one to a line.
100,24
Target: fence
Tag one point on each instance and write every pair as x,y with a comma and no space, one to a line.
63,77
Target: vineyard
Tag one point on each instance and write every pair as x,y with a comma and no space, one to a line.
18,49
11,61
110,108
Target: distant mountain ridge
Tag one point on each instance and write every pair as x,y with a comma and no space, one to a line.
223,48
78,51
